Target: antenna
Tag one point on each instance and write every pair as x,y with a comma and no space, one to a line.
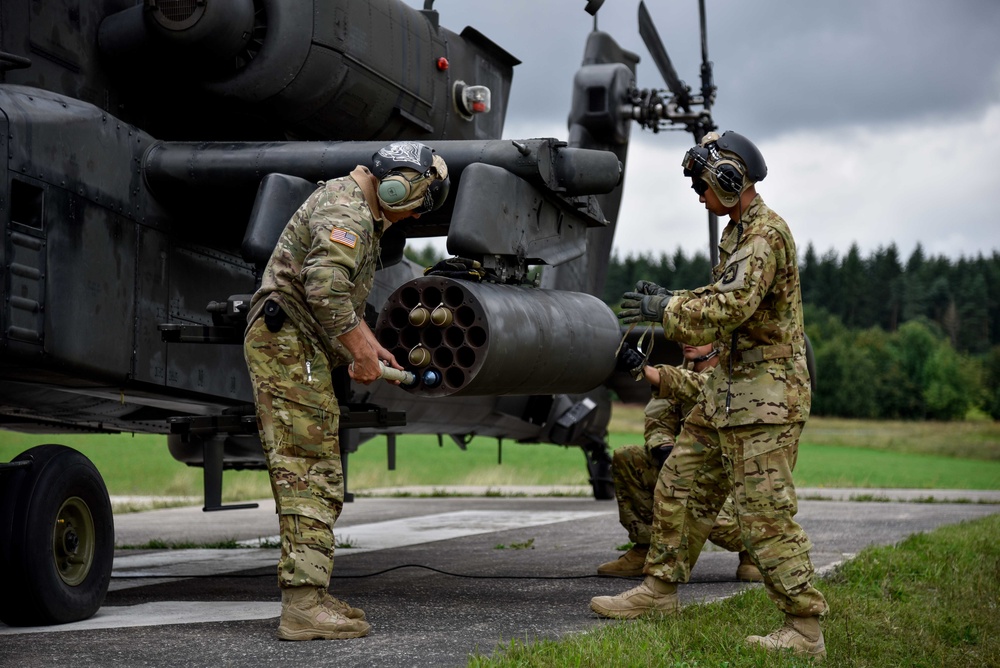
591,8
707,81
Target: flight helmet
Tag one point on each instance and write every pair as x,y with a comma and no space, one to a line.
728,164
412,177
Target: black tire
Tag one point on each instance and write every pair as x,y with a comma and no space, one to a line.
58,538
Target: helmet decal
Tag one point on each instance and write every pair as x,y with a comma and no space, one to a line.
404,151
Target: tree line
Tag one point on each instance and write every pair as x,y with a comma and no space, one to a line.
918,339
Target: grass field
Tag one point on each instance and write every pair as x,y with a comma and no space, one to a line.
930,600
834,453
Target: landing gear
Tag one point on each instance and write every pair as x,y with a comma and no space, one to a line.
599,468
56,537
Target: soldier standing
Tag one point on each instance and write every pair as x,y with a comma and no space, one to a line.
756,402
305,321
636,469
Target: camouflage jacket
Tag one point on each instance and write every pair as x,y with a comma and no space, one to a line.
754,309
679,390
323,266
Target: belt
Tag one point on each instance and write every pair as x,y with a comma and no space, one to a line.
777,351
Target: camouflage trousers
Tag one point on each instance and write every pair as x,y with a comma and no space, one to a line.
298,418
635,473
754,465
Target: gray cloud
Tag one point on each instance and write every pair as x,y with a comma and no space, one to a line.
863,110
780,65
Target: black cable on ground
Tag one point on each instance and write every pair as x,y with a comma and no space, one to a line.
270,573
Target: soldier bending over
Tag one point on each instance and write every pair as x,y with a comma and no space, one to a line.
304,322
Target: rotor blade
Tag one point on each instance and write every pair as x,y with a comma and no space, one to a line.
651,38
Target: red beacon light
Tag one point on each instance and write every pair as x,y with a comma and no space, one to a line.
442,64
472,100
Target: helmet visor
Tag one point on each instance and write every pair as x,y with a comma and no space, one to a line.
700,186
434,196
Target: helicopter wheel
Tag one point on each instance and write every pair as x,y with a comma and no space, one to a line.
58,536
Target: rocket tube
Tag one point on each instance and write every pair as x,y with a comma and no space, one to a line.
503,339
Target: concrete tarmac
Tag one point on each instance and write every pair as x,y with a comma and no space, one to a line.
439,579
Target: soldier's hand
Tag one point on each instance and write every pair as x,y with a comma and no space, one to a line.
389,361
365,369
650,288
629,360
637,307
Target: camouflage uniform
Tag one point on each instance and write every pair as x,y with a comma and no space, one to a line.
636,470
320,274
752,416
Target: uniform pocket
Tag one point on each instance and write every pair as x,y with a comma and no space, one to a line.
305,429
758,394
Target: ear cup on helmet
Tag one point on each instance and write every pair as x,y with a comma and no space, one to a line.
394,189
729,176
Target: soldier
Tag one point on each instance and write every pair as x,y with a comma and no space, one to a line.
756,401
304,322
636,469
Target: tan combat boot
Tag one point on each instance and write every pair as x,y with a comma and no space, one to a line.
802,635
629,565
747,570
304,617
652,596
343,607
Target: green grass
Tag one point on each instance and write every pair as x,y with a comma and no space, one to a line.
834,453
140,464
156,544
969,439
930,600
844,466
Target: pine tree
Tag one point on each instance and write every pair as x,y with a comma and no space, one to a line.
886,278
855,290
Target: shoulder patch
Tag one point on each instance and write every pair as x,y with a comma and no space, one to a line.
734,276
344,237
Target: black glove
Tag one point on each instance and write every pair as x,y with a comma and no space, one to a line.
660,454
457,267
629,360
650,288
637,307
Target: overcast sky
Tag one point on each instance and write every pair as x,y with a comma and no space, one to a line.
879,119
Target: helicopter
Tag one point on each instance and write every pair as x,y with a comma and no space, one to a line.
156,149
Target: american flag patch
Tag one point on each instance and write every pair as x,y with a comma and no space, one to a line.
344,237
